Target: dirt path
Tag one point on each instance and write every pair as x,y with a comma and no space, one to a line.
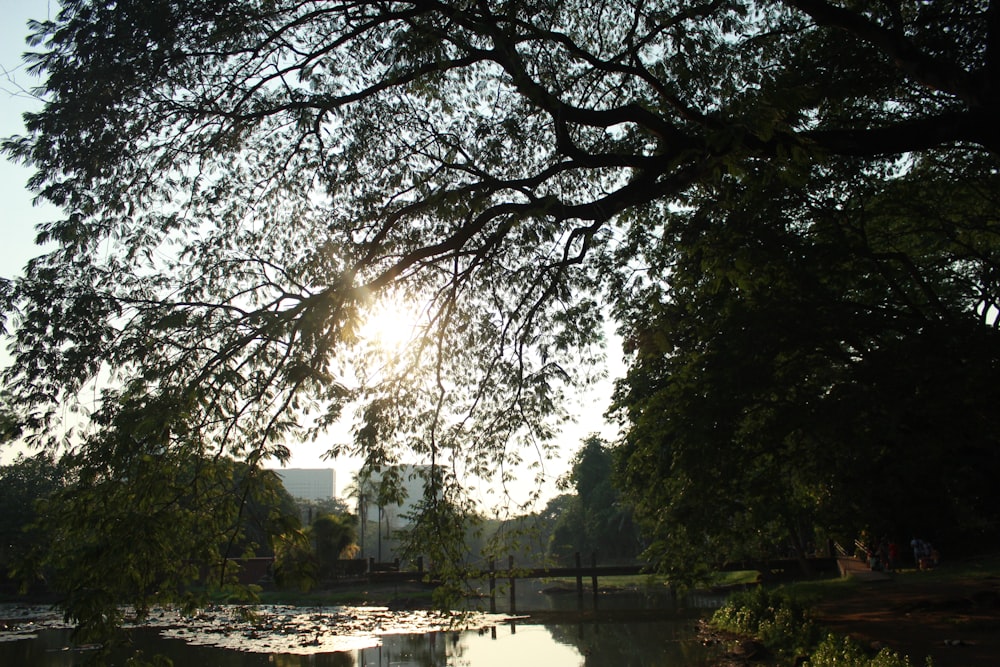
956,623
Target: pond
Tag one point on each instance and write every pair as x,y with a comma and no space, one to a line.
626,630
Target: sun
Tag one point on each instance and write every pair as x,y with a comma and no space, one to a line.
391,325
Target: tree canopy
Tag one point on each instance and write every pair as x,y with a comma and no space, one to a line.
594,520
151,529
243,180
23,483
817,364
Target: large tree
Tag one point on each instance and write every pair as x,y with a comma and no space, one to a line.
817,360
152,528
243,180
23,484
596,520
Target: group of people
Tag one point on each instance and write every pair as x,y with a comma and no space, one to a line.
885,555
924,554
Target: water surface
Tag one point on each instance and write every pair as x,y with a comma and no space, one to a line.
639,629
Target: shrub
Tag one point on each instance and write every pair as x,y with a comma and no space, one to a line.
784,627
772,617
845,652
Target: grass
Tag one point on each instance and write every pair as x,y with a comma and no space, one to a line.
813,590
617,582
980,568
735,578
638,581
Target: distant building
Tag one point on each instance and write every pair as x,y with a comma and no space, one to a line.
382,523
309,483
411,478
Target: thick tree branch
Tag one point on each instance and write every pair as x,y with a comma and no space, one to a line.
919,134
947,77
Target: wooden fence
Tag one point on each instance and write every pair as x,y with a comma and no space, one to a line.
391,572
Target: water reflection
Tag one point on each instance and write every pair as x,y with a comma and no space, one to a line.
652,644
631,629
536,595
656,643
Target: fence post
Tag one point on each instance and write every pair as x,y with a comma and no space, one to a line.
493,586
593,575
510,573
579,581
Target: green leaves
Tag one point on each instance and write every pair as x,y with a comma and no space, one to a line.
792,376
597,519
146,524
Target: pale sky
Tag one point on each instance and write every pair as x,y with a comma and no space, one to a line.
17,215
18,218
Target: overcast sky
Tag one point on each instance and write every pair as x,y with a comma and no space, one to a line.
18,218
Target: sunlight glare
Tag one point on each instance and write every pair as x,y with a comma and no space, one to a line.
391,325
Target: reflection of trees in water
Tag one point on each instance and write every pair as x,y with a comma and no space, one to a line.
317,660
661,643
659,601
431,649
149,642
636,644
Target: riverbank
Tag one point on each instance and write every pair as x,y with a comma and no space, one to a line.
951,615
953,620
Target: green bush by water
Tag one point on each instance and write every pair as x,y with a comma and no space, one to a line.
783,625
845,652
771,616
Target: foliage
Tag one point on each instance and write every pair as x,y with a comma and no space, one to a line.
783,625
295,563
532,534
595,519
778,621
23,484
443,527
310,508
784,201
164,532
267,510
10,425
774,388
845,652
306,558
334,537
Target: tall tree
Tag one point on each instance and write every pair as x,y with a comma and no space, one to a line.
332,538
596,519
23,484
243,180
817,359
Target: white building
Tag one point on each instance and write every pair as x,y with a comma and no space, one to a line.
309,483
381,523
393,512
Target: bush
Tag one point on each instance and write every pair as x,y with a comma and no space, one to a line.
844,652
783,625
772,617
